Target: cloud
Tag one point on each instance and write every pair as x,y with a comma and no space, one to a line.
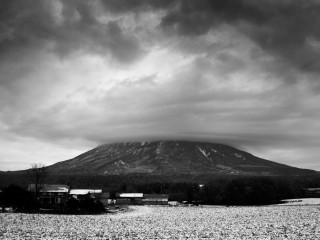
201,94
123,6
282,28
63,27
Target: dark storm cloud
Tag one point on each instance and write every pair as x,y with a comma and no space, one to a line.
287,29
118,6
198,17
62,27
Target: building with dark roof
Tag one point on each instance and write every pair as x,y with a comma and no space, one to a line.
51,196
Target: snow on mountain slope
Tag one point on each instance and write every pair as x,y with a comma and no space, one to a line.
171,157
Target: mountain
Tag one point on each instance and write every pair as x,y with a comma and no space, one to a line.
172,158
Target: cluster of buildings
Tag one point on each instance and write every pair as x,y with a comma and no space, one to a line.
55,196
312,192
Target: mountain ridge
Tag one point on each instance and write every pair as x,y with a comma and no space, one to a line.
172,158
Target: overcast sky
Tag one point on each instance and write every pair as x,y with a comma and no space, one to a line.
75,74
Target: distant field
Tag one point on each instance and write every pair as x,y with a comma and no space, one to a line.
143,222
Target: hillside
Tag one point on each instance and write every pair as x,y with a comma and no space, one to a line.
172,158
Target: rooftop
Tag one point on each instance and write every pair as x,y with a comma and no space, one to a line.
49,188
85,191
131,195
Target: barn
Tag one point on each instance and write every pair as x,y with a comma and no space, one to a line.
155,199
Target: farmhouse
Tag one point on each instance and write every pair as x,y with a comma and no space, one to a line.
51,195
155,199
129,198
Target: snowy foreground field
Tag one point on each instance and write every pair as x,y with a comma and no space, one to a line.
143,222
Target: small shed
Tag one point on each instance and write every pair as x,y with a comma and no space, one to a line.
155,199
129,198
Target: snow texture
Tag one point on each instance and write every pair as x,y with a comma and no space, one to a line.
238,155
154,222
203,152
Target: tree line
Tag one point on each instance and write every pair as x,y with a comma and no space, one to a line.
232,191
221,190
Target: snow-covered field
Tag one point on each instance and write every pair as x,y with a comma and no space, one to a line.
150,222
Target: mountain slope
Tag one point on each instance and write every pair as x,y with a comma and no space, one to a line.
171,158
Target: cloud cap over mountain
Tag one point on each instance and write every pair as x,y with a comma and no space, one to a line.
76,74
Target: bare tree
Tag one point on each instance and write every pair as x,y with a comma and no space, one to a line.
38,173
